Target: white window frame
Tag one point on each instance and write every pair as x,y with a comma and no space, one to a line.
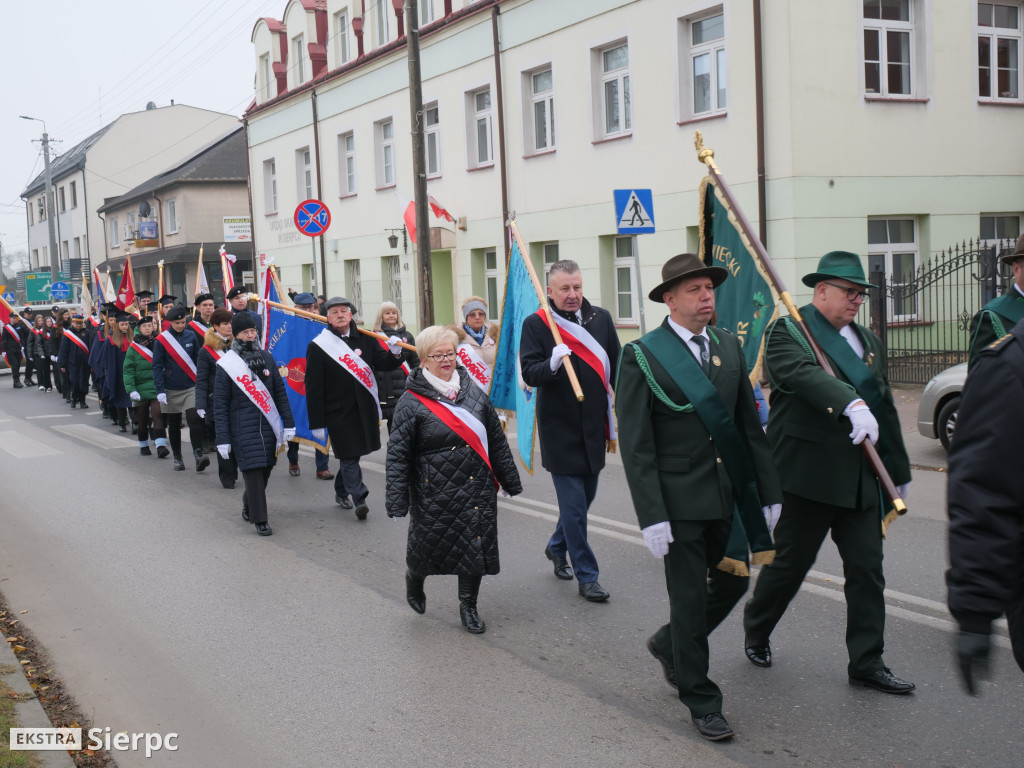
131,225
477,118
426,12
341,43
717,51
61,199
602,78
492,282
549,254
171,207
993,34
298,66
74,194
889,251
628,263
347,163
392,273
384,149
270,186
432,139
915,36
381,30
115,233
265,76
533,101
354,283
304,174
990,242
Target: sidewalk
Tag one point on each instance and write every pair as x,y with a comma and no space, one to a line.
925,454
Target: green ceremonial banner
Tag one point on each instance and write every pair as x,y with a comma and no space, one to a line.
745,301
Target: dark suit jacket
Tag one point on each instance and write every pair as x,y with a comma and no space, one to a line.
672,464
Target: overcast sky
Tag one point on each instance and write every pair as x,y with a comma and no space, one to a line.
78,65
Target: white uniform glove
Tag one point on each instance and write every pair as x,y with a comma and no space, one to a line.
162,397
53,358
201,413
505,494
393,342
224,451
657,537
904,490
771,515
288,434
560,351
864,423
134,395
320,434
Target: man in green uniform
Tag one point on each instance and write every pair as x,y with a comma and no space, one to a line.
1002,313
693,451
827,482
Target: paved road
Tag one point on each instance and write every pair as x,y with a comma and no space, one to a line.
164,612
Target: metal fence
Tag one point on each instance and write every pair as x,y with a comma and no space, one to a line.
924,318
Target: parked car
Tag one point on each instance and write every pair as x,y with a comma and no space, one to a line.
940,401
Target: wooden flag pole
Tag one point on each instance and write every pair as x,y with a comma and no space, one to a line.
543,299
322,319
160,292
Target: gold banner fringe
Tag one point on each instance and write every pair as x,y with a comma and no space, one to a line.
735,567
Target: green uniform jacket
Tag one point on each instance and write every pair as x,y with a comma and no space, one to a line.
138,374
810,437
994,321
672,465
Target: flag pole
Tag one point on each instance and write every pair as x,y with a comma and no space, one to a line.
577,390
199,271
160,291
707,156
322,319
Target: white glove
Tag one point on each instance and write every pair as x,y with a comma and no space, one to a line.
53,358
393,342
505,494
134,395
560,351
864,424
201,413
224,451
904,490
771,515
288,434
657,537
162,397
320,434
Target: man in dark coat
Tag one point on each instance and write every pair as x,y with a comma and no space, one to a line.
11,343
238,299
986,507
342,402
827,483
74,360
573,435
673,449
174,376
1002,313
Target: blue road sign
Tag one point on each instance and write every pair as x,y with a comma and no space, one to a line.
9,297
60,291
634,211
312,218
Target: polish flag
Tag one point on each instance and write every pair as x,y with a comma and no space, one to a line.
440,211
126,292
408,215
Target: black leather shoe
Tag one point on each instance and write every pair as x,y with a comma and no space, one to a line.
73,404
145,451
179,465
362,510
263,529
162,452
713,727
83,405
343,501
562,569
202,460
594,592
414,593
667,665
883,680
17,385
122,427
245,513
471,619
759,655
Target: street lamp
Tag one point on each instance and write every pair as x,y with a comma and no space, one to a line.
54,255
393,239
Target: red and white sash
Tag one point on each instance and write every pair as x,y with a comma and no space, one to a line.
403,365
586,348
479,371
13,331
73,338
144,352
178,353
216,354
462,423
198,327
255,390
350,362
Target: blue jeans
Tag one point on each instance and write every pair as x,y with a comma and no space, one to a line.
575,494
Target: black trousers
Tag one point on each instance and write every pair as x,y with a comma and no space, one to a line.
43,373
195,430
254,498
798,537
30,367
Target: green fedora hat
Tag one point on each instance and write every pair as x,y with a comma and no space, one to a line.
838,265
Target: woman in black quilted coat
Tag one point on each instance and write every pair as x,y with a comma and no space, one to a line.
391,384
435,475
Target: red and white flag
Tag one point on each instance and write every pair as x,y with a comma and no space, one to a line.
440,211
126,291
227,262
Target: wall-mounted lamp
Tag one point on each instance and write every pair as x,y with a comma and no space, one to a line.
393,239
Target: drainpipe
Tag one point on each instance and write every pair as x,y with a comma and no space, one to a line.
503,176
248,189
319,191
762,204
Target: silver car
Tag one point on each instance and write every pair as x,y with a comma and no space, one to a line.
940,401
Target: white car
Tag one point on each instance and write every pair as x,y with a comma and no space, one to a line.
940,401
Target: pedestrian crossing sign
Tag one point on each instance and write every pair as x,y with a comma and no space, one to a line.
634,211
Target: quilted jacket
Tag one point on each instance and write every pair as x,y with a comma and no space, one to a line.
206,371
433,474
138,371
391,384
167,374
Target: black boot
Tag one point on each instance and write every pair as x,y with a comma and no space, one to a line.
245,508
202,460
145,451
414,592
17,383
162,452
179,465
469,588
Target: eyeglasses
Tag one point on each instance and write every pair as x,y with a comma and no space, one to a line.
442,358
852,294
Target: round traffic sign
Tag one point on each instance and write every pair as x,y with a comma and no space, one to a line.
60,291
312,218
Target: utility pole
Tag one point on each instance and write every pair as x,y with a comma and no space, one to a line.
51,211
425,284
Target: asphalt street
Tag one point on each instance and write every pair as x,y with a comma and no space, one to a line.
164,612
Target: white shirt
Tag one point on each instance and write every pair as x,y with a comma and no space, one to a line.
848,333
687,335
1021,292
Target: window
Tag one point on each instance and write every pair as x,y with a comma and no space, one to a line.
172,217
270,186
479,139
298,65
382,22
385,150
895,240
540,123
999,51
74,194
353,284
426,12
130,226
614,77
347,153
115,233
391,267
60,200
704,79
304,167
432,123
42,208
888,47
265,76
341,36
626,310
491,278
549,253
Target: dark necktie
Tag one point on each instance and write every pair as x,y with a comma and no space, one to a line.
704,359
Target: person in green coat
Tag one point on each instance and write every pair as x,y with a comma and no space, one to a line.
138,382
1002,313
816,425
693,451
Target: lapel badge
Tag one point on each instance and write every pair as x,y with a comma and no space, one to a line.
716,360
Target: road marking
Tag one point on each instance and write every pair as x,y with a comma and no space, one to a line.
21,447
51,416
95,436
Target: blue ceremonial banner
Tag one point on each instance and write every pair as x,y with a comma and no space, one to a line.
508,391
287,337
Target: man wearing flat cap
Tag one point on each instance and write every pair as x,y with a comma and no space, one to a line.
341,396
693,451
238,299
999,316
816,425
